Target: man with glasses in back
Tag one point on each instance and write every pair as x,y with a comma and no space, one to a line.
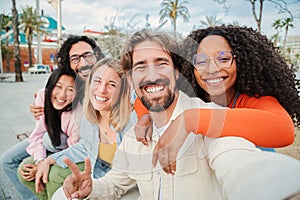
78,53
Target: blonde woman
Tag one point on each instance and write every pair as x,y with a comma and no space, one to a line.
107,110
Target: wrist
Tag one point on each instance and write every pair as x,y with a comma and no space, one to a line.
39,160
190,121
50,160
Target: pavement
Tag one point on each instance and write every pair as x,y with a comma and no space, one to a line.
15,117
15,97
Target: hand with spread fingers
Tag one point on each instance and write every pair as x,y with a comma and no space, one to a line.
143,129
78,184
168,145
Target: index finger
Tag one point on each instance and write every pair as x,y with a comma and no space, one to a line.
87,166
73,167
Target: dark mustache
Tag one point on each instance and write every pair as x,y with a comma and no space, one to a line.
87,67
156,82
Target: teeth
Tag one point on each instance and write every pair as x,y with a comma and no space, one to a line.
100,98
217,80
60,100
154,89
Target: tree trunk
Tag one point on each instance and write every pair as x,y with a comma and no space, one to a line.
29,51
285,36
17,59
7,57
174,26
257,18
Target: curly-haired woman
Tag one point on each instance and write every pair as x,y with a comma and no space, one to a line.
239,68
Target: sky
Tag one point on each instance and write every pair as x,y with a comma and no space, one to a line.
78,15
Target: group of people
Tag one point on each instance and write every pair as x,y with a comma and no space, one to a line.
168,120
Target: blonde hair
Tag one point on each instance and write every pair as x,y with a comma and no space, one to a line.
121,110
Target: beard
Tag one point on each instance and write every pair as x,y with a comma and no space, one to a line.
154,105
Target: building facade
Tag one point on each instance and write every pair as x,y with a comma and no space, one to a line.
292,47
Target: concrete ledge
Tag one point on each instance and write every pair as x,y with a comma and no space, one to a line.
2,78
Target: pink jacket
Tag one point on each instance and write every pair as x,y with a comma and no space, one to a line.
70,122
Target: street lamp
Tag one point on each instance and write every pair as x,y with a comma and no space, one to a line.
56,4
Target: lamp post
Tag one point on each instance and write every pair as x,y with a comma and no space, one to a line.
56,4
59,38
39,49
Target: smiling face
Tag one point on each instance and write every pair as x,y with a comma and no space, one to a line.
105,88
79,49
216,81
153,76
64,92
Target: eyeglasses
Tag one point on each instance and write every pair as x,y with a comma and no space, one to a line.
88,56
222,59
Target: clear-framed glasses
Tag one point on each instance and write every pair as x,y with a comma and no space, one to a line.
88,56
222,59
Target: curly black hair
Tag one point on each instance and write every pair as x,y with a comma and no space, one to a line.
261,69
63,55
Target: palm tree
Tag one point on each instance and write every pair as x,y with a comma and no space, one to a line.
32,23
277,26
18,71
172,9
211,21
286,23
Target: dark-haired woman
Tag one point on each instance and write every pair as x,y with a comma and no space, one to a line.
58,128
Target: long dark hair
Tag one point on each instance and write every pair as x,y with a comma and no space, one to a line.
261,69
52,115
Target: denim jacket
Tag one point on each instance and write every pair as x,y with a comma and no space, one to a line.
88,145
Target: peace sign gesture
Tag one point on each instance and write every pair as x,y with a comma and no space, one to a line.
78,184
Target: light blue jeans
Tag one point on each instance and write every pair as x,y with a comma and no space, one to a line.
9,163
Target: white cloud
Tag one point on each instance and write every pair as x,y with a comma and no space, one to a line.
91,14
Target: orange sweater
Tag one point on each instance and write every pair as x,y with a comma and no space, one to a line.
262,121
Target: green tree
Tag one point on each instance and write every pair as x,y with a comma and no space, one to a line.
32,23
113,37
15,22
172,9
6,23
211,21
277,26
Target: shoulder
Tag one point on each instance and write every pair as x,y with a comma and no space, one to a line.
249,102
194,102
